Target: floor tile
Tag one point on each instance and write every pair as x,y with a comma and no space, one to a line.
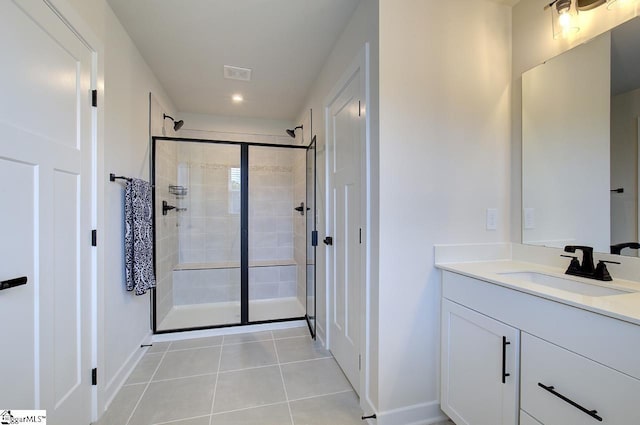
122,405
312,378
248,388
277,414
196,343
202,420
158,347
175,399
343,409
252,354
247,337
288,333
198,361
300,348
144,370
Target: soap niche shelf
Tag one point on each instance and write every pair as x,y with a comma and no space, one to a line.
178,190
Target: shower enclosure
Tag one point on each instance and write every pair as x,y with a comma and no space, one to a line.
235,233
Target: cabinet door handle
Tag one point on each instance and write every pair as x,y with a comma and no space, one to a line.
551,389
504,359
12,283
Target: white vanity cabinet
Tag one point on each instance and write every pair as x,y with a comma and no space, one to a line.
569,366
479,367
563,388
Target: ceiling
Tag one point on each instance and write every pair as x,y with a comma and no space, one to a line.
186,43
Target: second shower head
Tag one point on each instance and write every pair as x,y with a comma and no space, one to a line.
292,132
177,125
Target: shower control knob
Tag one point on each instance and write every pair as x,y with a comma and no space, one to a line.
328,240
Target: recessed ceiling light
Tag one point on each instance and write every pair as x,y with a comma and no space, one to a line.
237,98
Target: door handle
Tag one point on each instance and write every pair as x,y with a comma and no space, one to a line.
504,359
6,284
328,240
300,209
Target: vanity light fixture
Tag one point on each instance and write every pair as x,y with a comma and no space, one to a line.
564,13
564,17
592,4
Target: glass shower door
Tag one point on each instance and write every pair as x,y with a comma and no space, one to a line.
311,237
198,241
276,233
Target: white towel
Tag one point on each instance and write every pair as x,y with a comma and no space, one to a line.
138,238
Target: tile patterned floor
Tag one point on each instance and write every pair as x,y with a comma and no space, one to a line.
276,377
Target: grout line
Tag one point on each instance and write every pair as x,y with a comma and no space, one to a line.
322,395
291,337
284,386
280,402
183,377
194,348
249,342
307,360
222,372
248,408
180,420
215,387
147,386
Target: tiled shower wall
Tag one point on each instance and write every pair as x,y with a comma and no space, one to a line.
299,222
166,228
200,286
209,228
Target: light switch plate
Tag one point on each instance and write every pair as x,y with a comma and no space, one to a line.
529,218
492,218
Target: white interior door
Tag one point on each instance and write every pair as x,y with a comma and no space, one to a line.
344,277
46,169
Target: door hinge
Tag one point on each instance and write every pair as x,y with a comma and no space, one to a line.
359,361
94,376
94,237
360,235
94,98
314,238
359,109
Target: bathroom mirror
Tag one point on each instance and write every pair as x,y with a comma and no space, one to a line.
580,121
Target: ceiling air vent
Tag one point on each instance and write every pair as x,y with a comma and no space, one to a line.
236,73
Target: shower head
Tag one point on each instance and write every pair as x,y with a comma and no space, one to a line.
292,133
177,125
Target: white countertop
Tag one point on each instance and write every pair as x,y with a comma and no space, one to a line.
624,306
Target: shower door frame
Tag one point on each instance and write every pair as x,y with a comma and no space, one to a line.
244,230
313,243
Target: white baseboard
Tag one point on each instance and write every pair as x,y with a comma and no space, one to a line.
418,414
110,390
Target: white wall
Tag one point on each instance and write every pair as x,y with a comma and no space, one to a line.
533,44
565,144
444,159
125,321
625,110
213,126
362,28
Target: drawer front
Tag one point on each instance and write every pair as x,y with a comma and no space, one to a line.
525,419
559,387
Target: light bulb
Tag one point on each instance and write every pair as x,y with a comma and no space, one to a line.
564,20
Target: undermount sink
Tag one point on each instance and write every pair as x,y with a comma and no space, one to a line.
563,284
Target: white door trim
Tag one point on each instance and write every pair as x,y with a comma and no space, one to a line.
361,62
83,31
